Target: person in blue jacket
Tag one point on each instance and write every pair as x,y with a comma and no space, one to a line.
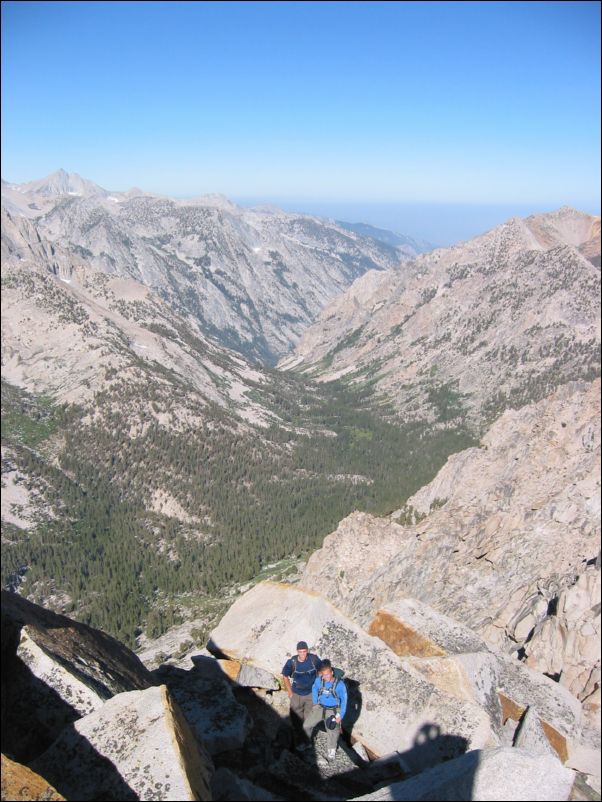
329,696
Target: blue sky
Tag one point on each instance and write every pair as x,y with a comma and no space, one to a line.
366,103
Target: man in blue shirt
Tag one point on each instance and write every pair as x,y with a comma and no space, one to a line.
329,697
302,669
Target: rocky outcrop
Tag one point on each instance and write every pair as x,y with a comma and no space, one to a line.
416,712
390,703
503,773
20,783
205,696
56,670
504,540
412,629
530,735
137,746
460,664
566,644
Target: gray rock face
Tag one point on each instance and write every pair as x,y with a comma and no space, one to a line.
137,746
559,710
56,670
411,628
97,659
205,697
567,644
465,332
531,737
254,277
503,773
501,533
255,677
391,706
81,696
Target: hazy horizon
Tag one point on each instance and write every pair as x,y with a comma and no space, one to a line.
474,103
439,224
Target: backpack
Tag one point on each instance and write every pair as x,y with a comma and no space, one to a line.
338,675
315,663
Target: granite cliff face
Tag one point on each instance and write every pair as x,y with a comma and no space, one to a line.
110,383
505,539
254,278
71,331
463,333
56,670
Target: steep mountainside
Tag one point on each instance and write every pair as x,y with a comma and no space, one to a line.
505,540
255,278
143,460
463,333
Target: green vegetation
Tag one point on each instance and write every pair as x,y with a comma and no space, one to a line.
26,420
245,498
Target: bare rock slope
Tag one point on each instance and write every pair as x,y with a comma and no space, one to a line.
505,539
463,333
255,278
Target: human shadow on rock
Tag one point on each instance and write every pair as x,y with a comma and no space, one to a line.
268,759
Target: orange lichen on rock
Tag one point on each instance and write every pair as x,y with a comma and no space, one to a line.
20,783
511,709
402,639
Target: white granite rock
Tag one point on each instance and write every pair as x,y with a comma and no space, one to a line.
138,745
205,695
530,735
391,706
80,695
505,773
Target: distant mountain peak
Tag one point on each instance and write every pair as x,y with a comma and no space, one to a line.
62,183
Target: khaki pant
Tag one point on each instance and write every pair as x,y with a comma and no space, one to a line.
317,715
301,707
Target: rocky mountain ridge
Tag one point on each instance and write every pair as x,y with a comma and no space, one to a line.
464,332
122,415
255,278
138,429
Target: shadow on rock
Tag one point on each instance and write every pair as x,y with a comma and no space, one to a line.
33,714
91,777
265,765
431,747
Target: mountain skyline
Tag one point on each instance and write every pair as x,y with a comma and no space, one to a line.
473,103
436,225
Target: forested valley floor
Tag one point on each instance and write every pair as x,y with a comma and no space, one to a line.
99,549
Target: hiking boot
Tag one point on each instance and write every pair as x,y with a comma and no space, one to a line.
332,753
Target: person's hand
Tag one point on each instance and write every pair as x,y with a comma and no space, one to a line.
290,693
338,718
